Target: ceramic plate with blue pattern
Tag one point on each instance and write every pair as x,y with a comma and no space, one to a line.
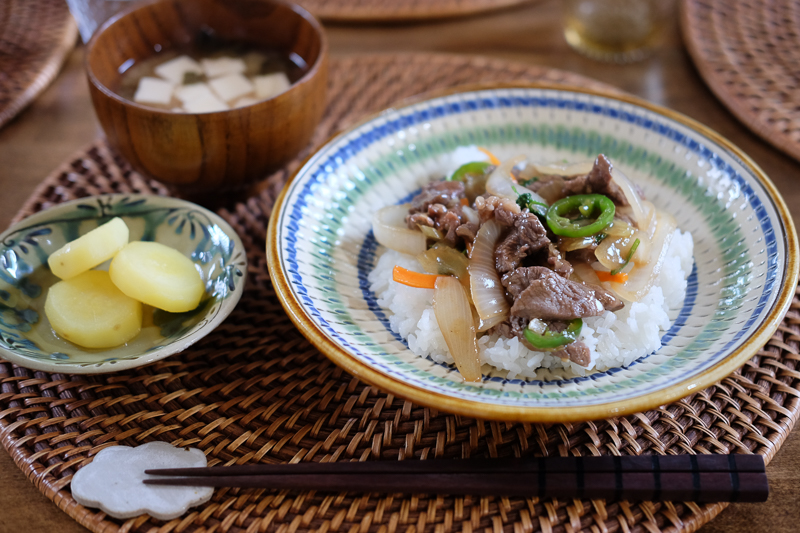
321,248
26,337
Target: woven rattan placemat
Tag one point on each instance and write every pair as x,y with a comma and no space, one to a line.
749,54
35,38
400,10
256,390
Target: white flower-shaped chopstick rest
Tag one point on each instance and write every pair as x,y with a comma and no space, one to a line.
113,481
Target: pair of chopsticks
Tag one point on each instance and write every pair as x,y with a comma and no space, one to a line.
698,478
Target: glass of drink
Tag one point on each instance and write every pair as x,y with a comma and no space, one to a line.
619,31
91,14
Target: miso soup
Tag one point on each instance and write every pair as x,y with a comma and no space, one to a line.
211,76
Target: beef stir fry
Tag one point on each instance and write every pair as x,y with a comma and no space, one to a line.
527,251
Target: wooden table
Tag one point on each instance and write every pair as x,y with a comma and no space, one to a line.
62,121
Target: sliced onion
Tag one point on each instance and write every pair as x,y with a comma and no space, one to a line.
641,278
585,273
619,228
570,244
454,316
389,227
500,182
431,233
488,294
558,169
444,260
471,215
628,189
612,252
650,216
552,190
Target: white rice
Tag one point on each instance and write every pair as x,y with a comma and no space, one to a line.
614,339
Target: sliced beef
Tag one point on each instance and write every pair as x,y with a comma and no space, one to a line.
515,326
520,279
583,255
527,237
439,206
597,181
506,330
607,298
468,231
577,352
445,219
503,210
538,292
556,261
419,219
446,193
449,222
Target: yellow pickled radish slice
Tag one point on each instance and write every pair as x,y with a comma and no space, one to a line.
89,250
157,275
90,311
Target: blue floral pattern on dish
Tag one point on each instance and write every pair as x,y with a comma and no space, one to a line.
24,277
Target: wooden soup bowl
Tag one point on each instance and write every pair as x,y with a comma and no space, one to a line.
198,154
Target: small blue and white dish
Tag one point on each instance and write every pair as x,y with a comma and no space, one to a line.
26,337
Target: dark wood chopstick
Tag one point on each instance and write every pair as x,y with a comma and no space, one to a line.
672,486
627,463
728,478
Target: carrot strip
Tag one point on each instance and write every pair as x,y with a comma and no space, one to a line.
414,279
608,276
464,201
492,158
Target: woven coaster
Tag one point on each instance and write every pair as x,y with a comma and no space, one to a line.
256,390
749,54
400,10
35,38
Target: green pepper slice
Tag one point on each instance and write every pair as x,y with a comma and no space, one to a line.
526,201
550,340
594,213
476,167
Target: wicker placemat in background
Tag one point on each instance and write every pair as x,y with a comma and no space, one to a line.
400,10
35,38
256,390
749,55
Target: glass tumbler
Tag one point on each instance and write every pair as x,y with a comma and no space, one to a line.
619,31
91,14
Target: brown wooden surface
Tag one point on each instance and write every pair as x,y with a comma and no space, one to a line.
62,121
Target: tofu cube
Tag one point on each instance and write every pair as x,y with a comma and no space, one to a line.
174,69
253,62
198,98
153,91
271,85
231,87
221,66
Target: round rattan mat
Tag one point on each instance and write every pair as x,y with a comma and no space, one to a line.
256,390
749,54
35,38
400,10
